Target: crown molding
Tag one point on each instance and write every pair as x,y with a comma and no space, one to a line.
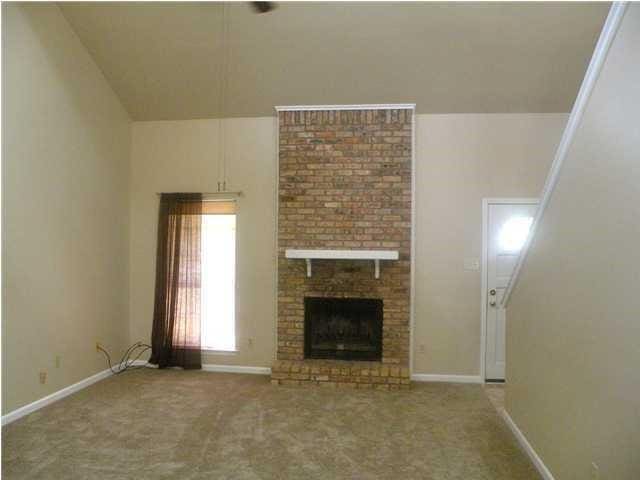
372,106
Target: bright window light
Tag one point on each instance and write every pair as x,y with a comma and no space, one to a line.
218,327
514,233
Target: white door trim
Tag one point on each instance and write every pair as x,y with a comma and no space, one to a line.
483,271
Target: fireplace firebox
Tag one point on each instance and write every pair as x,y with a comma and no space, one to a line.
343,328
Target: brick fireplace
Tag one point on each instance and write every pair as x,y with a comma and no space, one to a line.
344,184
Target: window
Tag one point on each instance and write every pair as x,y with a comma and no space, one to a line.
514,233
218,276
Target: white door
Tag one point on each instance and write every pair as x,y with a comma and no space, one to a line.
507,229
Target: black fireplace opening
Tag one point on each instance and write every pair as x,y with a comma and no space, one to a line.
343,328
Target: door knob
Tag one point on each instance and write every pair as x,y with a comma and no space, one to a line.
492,303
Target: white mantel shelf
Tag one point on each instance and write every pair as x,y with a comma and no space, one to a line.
375,255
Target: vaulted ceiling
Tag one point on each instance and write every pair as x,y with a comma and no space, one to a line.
164,60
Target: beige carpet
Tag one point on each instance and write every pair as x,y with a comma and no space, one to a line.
151,424
495,392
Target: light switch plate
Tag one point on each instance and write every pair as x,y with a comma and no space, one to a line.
472,264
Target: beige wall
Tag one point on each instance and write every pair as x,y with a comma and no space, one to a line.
65,178
460,159
65,150
184,156
573,335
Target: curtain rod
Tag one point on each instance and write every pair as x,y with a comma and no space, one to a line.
211,194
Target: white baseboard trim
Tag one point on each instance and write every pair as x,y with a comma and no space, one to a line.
140,363
54,397
60,394
526,446
429,377
213,367
210,367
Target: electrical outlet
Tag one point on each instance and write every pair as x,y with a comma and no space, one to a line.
472,264
58,361
250,341
595,471
43,377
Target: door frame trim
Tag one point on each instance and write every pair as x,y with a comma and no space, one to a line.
486,202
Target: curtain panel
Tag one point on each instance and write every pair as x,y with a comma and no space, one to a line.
175,337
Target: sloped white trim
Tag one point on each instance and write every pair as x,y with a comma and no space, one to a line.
54,397
210,367
542,469
373,106
609,30
429,377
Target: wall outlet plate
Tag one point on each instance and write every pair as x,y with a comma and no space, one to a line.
472,264
43,377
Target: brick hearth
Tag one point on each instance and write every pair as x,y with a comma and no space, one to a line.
344,183
339,373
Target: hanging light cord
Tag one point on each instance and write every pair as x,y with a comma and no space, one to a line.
223,74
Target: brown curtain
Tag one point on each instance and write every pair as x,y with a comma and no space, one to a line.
175,338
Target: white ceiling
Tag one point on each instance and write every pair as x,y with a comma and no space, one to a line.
163,59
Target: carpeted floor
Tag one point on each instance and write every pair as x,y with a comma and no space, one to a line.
151,424
495,392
